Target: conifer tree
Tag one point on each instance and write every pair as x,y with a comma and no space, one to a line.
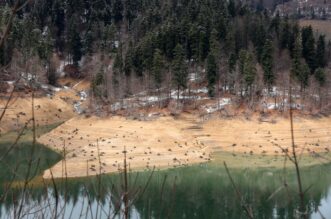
298,70
259,42
304,75
247,69
45,49
212,74
215,46
76,47
158,68
308,47
131,7
97,81
267,64
179,69
118,67
232,8
320,77
128,65
74,41
117,11
285,35
213,63
320,52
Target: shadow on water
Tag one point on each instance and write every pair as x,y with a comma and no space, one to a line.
15,164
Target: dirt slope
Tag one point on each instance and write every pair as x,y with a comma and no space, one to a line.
47,111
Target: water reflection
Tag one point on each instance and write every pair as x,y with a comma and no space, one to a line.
191,192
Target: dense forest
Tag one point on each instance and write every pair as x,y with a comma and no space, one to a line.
128,46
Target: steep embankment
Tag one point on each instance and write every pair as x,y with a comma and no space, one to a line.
47,111
57,106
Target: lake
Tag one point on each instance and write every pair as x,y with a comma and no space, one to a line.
199,191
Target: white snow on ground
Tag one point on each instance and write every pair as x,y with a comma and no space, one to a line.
116,106
184,94
193,77
77,107
28,76
273,92
218,106
226,88
55,89
203,90
273,106
48,87
60,69
149,99
116,44
44,86
83,95
10,82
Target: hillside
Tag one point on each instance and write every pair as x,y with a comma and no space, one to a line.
320,27
310,9
146,53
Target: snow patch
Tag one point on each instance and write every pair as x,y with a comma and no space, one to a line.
220,105
77,107
83,95
203,90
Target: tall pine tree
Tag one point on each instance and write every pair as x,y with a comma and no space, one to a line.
267,64
158,68
320,52
308,47
179,69
212,74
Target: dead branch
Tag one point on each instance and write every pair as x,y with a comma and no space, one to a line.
246,208
17,7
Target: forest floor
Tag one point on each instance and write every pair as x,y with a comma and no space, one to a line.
167,142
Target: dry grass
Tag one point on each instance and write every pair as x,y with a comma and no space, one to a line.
169,142
163,143
49,111
266,137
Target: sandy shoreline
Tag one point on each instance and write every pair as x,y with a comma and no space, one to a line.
168,142
163,143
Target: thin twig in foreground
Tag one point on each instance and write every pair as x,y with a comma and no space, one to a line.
245,207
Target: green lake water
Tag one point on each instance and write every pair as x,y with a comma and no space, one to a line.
199,191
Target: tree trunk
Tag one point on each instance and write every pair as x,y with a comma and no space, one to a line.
177,95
